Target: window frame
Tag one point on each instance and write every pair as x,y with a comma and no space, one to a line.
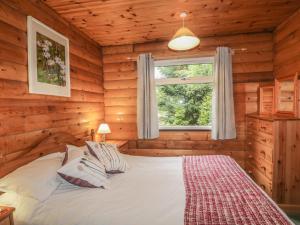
191,80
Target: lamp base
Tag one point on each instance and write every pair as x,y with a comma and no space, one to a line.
103,138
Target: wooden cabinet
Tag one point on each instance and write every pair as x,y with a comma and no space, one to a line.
286,96
266,99
260,146
273,148
6,215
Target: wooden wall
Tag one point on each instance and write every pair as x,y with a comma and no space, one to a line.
287,62
287,47
120,82
26,118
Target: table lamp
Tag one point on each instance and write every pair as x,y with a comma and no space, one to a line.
103,129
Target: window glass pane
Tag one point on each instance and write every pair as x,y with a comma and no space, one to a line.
182,71
184,104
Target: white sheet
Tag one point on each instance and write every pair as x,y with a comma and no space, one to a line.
150,193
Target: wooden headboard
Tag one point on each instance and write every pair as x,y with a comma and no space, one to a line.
52,143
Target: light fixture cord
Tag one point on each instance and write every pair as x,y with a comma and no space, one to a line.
183,21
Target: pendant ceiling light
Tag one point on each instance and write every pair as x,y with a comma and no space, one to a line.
184,39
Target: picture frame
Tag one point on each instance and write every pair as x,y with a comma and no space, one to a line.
48,60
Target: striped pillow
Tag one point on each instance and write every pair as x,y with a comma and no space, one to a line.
82,169
109,155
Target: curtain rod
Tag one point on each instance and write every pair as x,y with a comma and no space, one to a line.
233,50
240,49
236,49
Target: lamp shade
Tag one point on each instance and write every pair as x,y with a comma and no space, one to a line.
184,39
104,129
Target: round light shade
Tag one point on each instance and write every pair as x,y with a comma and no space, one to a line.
104,129
184,39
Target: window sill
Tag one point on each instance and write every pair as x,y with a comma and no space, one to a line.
185,128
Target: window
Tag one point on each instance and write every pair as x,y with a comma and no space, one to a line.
184,93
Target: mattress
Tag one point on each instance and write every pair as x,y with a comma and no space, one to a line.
159,191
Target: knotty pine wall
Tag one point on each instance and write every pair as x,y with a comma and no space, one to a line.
26,118
287,47
287,62
120,82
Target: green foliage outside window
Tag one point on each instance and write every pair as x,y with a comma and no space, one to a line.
184,104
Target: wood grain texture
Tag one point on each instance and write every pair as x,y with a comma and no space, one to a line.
287,47
291,166
6,215
273,154
51,143
250,67
118,22
26,118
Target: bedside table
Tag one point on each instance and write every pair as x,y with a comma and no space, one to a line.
122,145
6,215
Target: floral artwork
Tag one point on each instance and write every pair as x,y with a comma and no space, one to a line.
51,66
48,60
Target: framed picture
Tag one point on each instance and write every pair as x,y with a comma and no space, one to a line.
48,60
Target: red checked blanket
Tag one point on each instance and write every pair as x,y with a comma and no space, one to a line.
218,191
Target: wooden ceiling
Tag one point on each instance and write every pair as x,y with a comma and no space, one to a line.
114,22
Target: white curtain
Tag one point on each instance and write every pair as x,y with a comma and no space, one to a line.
223,119
147,116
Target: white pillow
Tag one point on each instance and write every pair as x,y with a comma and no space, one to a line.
60,155
38,179
109,155
82,169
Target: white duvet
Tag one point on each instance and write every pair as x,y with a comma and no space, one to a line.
150,193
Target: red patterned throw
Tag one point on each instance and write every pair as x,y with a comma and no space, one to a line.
218,191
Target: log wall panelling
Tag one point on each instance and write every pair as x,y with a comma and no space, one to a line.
250,67
26,118
287,62
287,47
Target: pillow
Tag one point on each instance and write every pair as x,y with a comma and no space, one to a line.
60,155
37,179
109,155
82,169
73,152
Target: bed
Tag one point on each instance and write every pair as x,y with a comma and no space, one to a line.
155,191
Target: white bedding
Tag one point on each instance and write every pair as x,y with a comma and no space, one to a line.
150,193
